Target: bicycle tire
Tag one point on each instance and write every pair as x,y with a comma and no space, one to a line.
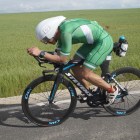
36,106
128,78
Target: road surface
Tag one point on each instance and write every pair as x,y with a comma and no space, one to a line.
84,124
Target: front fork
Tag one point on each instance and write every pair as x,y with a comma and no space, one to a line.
55,86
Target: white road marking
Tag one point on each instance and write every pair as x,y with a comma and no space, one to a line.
38,104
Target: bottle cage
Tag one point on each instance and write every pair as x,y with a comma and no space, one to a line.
117,48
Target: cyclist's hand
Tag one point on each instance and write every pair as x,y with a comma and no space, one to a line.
34,51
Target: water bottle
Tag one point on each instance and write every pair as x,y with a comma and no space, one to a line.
123,47
121,39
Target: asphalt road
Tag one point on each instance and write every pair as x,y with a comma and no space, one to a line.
84,124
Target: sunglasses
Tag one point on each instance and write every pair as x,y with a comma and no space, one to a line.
45,40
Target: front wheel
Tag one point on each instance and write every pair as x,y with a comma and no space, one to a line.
129,79
36,105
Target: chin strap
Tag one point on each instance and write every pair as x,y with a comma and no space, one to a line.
110,90
55,38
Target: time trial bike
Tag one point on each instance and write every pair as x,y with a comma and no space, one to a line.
50,99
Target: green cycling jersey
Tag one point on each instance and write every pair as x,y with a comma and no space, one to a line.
87,32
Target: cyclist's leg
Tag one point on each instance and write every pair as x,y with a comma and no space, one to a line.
88,75
94,58
82,73
76,73
94,55
97,55
81,54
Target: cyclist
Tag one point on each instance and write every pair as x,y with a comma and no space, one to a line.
97,44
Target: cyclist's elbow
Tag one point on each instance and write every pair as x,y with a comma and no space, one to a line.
63,58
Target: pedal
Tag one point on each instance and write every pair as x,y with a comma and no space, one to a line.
82,98
82,101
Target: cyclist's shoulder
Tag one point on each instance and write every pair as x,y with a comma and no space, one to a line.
73,21
68,26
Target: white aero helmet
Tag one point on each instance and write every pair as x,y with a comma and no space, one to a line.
47,28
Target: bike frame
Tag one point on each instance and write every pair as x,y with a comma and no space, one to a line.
66,71
78,84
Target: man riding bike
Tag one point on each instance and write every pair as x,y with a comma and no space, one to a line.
97,44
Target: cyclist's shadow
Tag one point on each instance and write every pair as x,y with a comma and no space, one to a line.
16,118
86,113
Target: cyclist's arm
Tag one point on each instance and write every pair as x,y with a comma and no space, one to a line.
63,53
35,51
63,49
55,58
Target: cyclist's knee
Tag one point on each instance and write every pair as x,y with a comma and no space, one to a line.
85,75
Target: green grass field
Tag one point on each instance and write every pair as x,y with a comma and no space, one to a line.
17,33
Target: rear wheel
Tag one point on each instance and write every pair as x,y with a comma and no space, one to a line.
128,78
36,106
